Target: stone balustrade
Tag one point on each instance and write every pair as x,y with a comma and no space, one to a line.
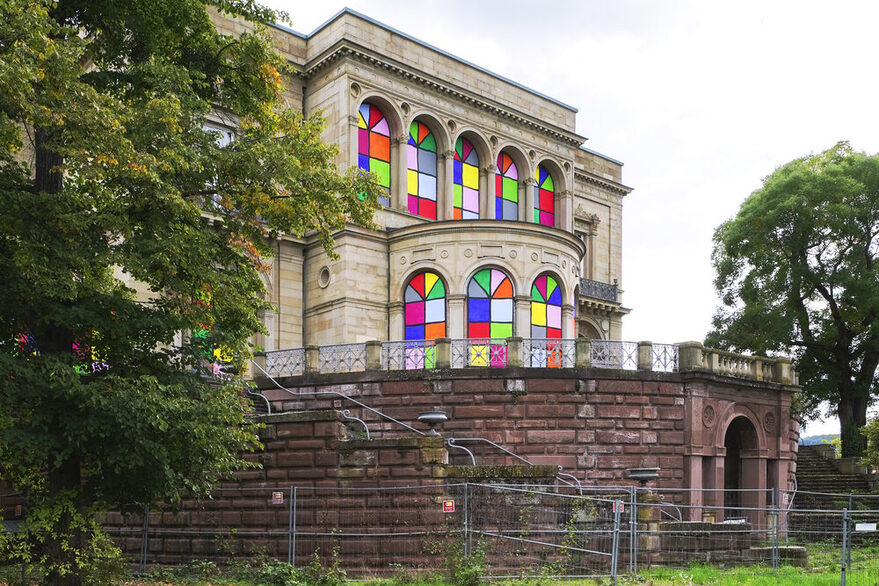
444,353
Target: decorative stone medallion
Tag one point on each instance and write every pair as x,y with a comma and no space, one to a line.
444,254
769,422
708,416
468,253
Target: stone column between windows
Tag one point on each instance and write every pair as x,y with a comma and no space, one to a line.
563,204
395,321
399,174
445,176
527,201
568,325
522,316
455,317
486,192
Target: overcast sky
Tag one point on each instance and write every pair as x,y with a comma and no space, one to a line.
700,100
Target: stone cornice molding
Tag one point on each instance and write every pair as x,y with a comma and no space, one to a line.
609,185
347,48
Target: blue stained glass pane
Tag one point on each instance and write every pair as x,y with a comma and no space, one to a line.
498,208
478,310
414,332
466,215
511,210
457,172
556,297
412,141
412,294
426,162
538,331
363,162
474,290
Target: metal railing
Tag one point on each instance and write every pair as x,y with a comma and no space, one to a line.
479,352
409,355
608,354
342,358
599,290
286,362
543,353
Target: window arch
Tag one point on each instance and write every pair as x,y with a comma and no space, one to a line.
546,322
374,146
489,315
421,177
544,197
506,189
465,170
424,318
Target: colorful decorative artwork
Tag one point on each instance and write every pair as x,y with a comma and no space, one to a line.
544,198
465,184
424,316
374,146
489,315
506,189
546,308
421,152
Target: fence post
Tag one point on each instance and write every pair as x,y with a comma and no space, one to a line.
848,550
291,528
617,505
466,520
844,561
633,531
773,515
144,541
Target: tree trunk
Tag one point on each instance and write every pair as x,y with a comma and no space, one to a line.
64,483
852,412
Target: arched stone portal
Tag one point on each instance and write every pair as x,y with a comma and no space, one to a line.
740,441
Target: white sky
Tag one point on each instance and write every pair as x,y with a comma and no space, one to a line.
700,100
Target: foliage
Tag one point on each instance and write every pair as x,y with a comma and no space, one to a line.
126,224
871,456
797,271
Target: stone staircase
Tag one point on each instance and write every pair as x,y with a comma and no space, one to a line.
818,474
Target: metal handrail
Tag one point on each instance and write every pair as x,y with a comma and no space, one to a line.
341,396
452,441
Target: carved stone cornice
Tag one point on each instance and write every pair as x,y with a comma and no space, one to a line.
581,214
349,49
607,184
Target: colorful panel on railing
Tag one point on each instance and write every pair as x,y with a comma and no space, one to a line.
546,316
421,177
544,197
506,189
465,184
374,146
424,317
490,310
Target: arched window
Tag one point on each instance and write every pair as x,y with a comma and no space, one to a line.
506,189
424,317
489,315
546,322
374,146
465,169
544,197
421,152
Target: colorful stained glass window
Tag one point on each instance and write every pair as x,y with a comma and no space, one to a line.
424,316
546,308
506,189
489,315
465,184
544,197
374,146
421,152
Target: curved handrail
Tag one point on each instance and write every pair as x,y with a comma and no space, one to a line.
341,396
347,415
662,503
454,440
451,443
264,398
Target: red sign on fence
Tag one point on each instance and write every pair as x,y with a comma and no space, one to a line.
278,498
619,507
448,506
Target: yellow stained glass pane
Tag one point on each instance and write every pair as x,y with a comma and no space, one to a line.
470,176
413,182
538,314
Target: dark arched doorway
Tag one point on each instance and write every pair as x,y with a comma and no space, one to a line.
740,442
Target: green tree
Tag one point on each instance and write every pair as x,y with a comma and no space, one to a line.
797,273
109,177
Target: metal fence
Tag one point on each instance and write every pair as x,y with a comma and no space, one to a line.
511,530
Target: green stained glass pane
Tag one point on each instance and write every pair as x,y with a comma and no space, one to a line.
457,194
429,144
550,286
413,131
511,189
501,330
438,291
535,293
483,277
382,169
536,216
547,183
459,148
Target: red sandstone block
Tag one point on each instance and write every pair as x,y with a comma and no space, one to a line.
671,437
600,423
326,458
619,411
478,386
562,385
394,457
585,437
618,437
550,436
619,386
177,546
567,411
670,413
532,424
306,444
568,462
514,437
598,398
405,388
295,459
648,437
618,462
329,429
296,474
232,518
670,389
478,411
514,411
649,412
637,449
288,430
